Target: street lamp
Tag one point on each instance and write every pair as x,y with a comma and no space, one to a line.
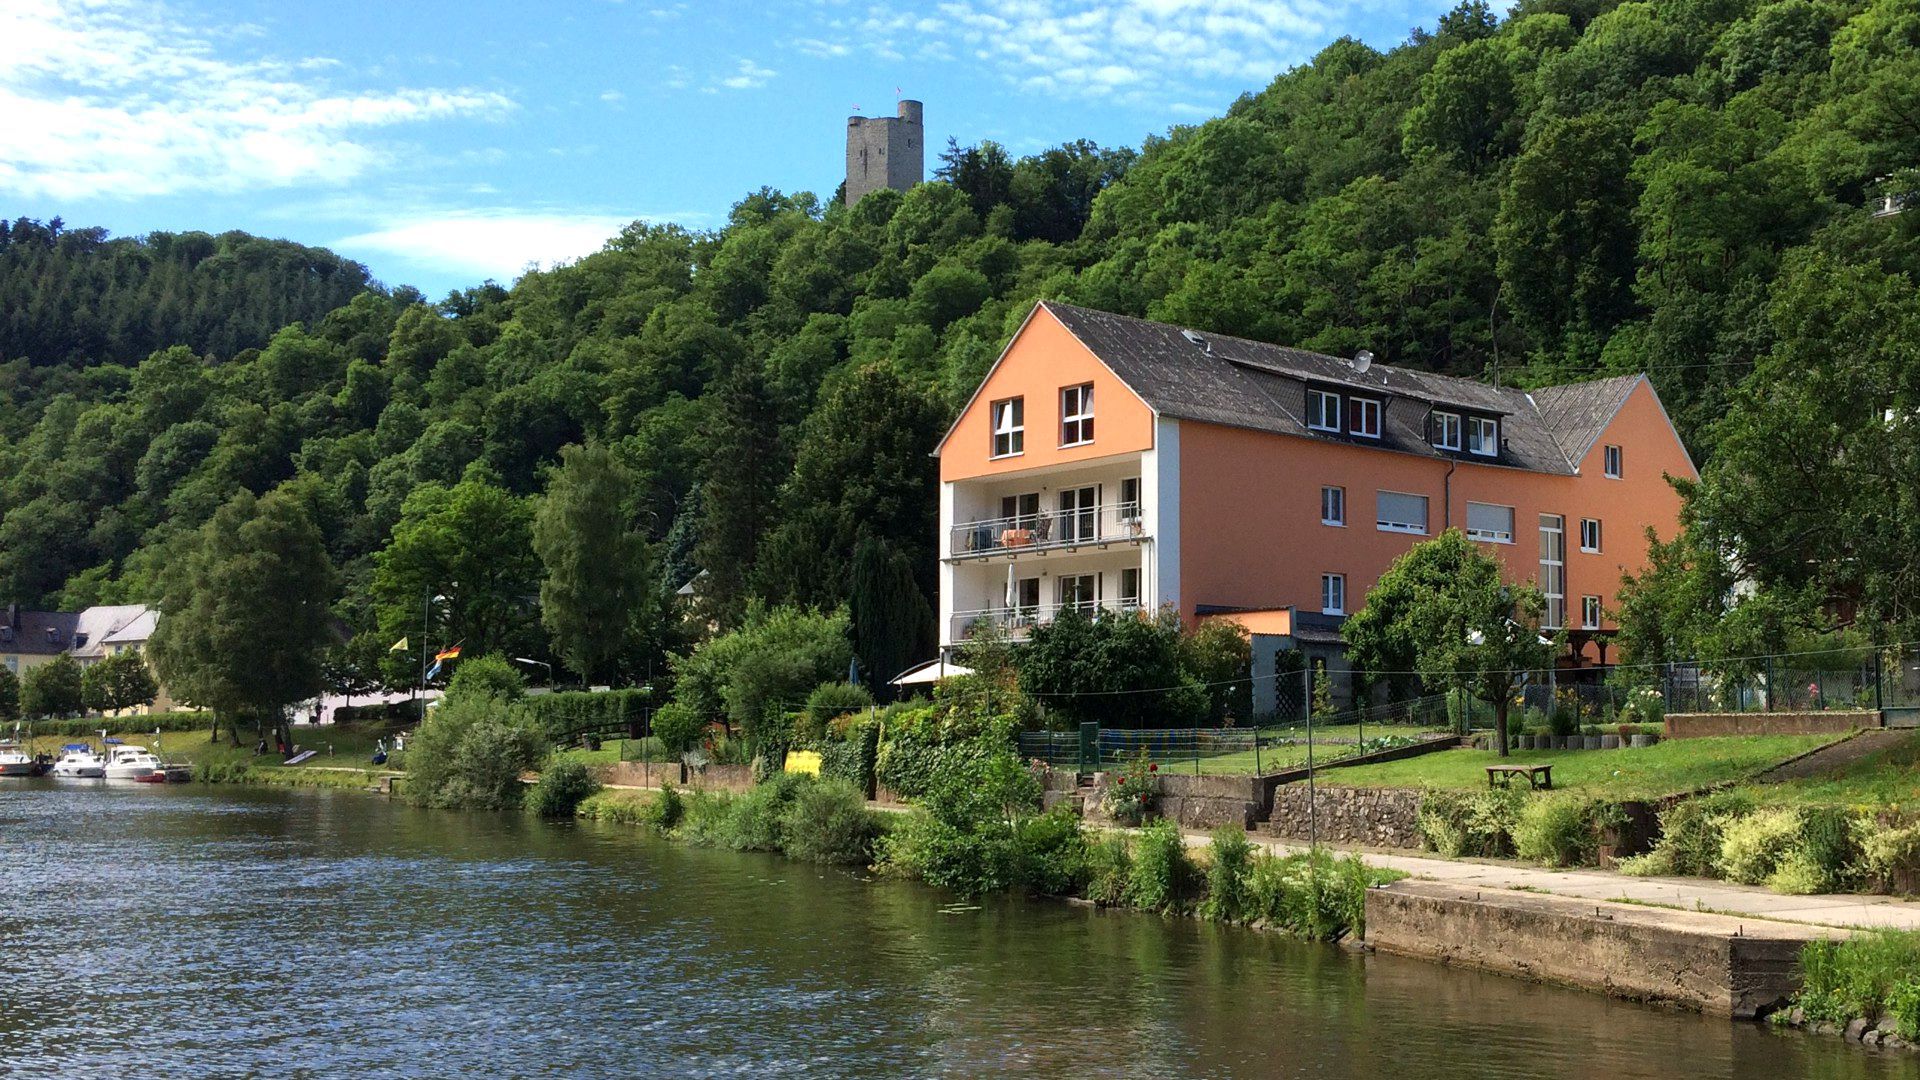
542,663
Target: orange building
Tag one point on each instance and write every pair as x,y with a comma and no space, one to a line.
1110,462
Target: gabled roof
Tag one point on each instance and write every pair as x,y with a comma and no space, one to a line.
1252,384
26,632
137,630
98,625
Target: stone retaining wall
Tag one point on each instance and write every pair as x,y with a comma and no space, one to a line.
1702,725
1718,964
734,778
1372,817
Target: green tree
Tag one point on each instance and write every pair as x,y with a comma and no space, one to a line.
491,677
1117,668
9,695
53,688
120,681
245,612
750,676
1467,629
597,566
892,622
738,499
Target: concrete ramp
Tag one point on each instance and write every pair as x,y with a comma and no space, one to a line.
1722,965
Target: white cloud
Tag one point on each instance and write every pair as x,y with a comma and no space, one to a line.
118,98
612,97
823,49
749,76
496,243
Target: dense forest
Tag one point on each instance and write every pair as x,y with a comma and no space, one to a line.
1686,187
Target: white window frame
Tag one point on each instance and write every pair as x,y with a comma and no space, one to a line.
1333,594
1079,521
1364,409
1486,536
1130,578
1076,415
1089,604
1333,505
1130,509
1593,548
1612,460
1553,570
1446,430
1590,613
1009,423
1317,406
1483,436
1401,526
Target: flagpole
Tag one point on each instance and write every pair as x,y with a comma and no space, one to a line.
426,615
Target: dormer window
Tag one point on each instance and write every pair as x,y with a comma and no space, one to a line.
1076,415
1483,436
1009,427
1446,430
1323,410
1363,417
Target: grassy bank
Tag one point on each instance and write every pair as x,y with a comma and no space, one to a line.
1668,767
1888,779
1868,986
343,759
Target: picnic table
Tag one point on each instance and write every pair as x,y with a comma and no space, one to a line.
1538,776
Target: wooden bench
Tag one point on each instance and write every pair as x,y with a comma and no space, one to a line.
1538,776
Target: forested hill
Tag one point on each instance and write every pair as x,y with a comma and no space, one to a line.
1581,188
74,296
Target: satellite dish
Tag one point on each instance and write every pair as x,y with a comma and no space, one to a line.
1362,360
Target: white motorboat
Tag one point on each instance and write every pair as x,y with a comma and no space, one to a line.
15,761
77,760
133,763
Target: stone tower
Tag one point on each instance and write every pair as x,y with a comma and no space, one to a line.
885,152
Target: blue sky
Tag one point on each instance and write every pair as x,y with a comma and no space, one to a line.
442,144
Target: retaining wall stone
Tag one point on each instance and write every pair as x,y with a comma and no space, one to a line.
1371,817
1702,725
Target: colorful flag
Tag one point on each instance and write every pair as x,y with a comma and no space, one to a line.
433,672
399,646
447,654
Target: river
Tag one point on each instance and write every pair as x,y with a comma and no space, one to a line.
200,931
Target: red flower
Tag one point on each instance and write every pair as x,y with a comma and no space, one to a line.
1153,766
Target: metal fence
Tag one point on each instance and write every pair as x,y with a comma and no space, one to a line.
1883,679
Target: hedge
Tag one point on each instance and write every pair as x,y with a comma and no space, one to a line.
850,755
563,716
90,725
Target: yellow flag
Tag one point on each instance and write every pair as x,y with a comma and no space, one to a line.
399,646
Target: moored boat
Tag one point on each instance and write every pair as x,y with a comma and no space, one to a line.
15,761
78,761
135,763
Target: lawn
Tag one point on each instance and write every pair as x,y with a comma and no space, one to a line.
1281,748
1886,778
346,746
1668,767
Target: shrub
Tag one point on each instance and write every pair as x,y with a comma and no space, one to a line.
827,702
1164,878
167,721
849,753
1109,866
617,807
1129,795
1752,847
665,810
1866,976
677,727
470,753
1690,836
1228,896
563,716
487,676
1312,895
1470,823
757,819
561,788
1889,857
1557,830
1051,854
967,839
706,818
828,822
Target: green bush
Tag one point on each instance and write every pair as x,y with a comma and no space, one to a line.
850,754
163,722
1109,866
618,807
470,752
487,676
1229,898
758,818
966,839
1477,824
1866,976
1889,856
665,810
919,743
827,702
1690,836
678,728
828,822
706,818
561,788
1164,878
1312,895
1051,853
1558,830
1752,847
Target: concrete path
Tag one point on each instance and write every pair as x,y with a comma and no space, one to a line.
1687,894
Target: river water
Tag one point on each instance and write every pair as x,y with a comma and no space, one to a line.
209,932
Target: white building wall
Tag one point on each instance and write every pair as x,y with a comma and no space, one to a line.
1160,488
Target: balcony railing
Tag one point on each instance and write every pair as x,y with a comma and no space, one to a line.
1017,621
1048,530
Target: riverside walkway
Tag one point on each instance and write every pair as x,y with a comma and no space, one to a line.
1686,894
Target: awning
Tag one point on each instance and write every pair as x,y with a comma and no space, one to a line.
930,672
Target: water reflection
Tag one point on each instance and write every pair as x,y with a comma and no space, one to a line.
194,932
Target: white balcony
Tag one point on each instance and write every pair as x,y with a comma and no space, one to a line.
1048,530
1017,622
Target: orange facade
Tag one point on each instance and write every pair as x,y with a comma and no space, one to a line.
1251,534
1043,359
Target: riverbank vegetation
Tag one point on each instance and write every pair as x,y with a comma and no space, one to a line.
1871,979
